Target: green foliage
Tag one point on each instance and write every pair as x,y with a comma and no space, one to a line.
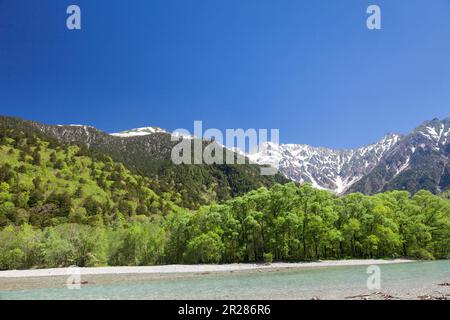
188,186
293,223
46,184
19,247
62,205
205,248
285,223
139,244
268,258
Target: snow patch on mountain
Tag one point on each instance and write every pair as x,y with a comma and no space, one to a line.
446,136
145,131
437,134
75,126
403,167
329,169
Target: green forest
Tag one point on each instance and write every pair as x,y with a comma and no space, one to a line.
62,205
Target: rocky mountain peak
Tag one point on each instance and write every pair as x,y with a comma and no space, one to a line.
326,168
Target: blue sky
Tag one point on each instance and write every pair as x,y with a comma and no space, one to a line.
310,68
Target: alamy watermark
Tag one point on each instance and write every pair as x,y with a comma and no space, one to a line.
374,280
374,20
214,147
73,21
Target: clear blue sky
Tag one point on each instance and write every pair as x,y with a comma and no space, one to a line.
310,68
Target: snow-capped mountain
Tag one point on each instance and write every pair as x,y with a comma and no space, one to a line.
420,160
145,131
435,131
414,161
324,168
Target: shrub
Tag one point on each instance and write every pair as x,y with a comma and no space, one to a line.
422,254
206,248
268,258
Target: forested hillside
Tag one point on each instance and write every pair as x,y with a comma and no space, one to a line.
150,156
288,223
65,204
45,183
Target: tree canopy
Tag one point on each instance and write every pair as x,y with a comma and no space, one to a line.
284,223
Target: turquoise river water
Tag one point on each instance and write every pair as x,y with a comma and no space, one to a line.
406,280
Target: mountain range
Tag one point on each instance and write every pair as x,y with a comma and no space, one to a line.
147,152
418,160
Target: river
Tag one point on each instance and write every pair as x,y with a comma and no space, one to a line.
404,280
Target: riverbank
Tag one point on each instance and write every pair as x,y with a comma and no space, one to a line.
279,281
176,269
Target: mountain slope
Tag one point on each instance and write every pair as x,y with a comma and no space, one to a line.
45,183
324,168
149,154
419,161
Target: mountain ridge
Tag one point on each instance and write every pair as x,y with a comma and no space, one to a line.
357,169
149,155
327,168
419,161
360,169
413,161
